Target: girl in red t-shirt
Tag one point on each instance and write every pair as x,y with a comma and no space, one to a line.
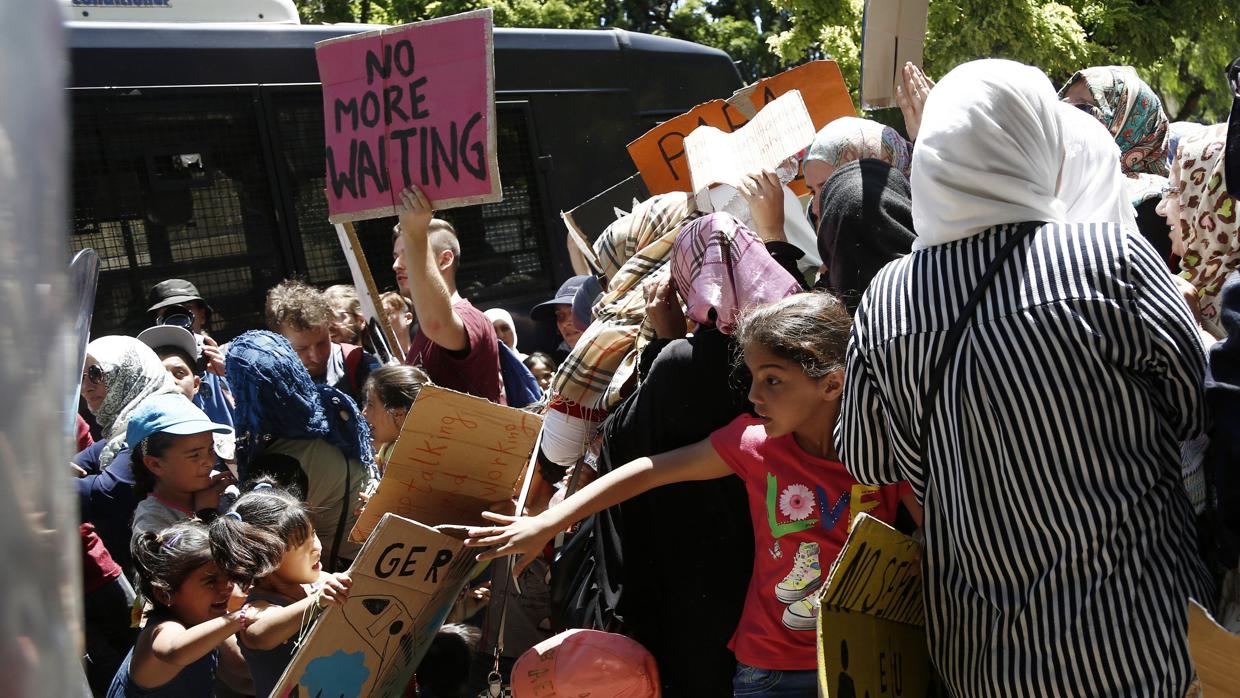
801,498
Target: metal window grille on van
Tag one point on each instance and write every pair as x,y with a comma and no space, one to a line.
223,186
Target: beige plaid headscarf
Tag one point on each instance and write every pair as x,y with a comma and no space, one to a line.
630,251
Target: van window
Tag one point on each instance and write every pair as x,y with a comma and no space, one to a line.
224,186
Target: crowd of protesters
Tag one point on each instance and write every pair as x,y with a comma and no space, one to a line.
1008,339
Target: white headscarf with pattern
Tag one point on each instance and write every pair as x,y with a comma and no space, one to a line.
132,373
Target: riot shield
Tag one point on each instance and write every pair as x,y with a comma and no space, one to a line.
40,626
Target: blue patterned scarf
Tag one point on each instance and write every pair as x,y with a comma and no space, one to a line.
276,399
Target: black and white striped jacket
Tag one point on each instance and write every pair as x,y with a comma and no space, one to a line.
1060,544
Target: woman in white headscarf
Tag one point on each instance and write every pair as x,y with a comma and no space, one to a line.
120,373
1092,185
505,328
1041,434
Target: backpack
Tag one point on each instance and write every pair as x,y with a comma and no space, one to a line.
354,369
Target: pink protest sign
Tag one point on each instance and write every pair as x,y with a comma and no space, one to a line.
410,105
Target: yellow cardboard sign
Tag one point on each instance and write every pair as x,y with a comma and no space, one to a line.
456,455
871,639
1215,654
405,580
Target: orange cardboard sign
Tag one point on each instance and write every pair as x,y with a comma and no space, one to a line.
821,85
660,152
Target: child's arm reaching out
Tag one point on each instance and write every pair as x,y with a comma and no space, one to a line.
526,535
272,624
173,643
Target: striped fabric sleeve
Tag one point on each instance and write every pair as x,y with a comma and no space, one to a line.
1176,356
862,433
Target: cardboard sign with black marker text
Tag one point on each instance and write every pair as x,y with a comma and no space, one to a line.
871,634
405,580
456,455
659,154
410,105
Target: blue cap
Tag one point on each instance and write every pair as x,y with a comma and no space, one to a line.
564,296
583,302
170,413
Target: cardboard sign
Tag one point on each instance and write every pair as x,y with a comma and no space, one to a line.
871,639
782,129
587,221
410,105
893,32
1215,654
456,455
405,580
821,85
660,152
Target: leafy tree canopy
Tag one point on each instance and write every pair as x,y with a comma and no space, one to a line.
1179,46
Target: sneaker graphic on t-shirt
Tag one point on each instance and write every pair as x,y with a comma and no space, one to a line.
802,615
805,577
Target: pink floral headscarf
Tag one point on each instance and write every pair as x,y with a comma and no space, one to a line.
721,268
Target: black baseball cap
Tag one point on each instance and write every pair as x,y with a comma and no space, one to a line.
564,296
173,292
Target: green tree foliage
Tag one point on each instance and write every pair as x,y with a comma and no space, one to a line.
730,25
1179,46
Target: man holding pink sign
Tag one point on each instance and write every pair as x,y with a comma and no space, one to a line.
409,119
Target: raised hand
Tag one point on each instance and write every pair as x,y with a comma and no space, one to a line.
765,195
663,308
415,211
911,95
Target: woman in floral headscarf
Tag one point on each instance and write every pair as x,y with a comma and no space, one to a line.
1203,218
848,139
120,373
1130,110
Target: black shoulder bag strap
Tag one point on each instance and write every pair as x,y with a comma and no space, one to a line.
950,344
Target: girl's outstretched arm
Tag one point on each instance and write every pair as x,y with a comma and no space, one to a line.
526,535
273,625
175,644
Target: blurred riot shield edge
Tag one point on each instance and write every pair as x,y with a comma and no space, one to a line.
40,548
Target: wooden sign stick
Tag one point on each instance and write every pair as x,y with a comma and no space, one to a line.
361,272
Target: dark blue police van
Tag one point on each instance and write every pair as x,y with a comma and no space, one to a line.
198,153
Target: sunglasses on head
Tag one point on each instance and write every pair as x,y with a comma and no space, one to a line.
94,374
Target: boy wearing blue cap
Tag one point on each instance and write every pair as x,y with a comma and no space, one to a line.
174,462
